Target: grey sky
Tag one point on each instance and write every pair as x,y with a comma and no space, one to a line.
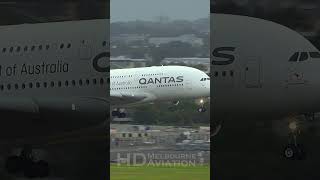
127,10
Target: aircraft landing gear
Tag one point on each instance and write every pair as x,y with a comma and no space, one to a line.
294,150
118,113
26,163
202,109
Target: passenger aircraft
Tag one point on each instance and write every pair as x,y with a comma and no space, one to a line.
262,70
129,87
53,80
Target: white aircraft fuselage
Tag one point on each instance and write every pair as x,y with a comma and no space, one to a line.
158,83
53,77
261,69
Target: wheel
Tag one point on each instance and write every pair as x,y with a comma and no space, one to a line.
14,164
115,113
43,169
122,115
301,154
30,169
292,152
36,169
202,109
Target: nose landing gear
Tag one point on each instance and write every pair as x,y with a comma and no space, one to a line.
294,150
201,109
118,113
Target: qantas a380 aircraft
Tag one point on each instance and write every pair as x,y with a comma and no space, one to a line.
263,70
53,80
129,87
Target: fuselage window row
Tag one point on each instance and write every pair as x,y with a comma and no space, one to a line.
139,87
52,84
159,74
224,73
39,47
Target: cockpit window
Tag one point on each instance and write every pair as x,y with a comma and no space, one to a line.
303,56
294,57
205,79
314,54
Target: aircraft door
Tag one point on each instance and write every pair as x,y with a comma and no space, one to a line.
252,74
85,51
188,85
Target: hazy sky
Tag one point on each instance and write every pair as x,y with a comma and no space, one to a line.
127,10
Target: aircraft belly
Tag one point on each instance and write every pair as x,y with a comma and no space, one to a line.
252,102
53,118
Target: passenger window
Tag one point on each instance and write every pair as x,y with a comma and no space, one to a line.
59,84
40,47
11,49
16,86
52,84
9,86
66,83
32,48
23,86
94,81
61,46
18,49
224,73
47,47
38,85
45,84
30,85
231,73
4,49
69,45
73,82
80,82
25,48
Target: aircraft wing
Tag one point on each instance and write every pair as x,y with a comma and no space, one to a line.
120,98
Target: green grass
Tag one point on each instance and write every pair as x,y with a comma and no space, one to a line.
124,172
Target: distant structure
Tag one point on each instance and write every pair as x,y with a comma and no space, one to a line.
186,38
192,61
129,38
124,62
188,61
